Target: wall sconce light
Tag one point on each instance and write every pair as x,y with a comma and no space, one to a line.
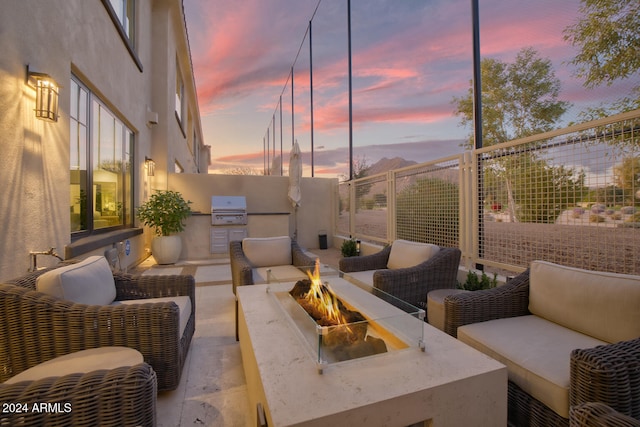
46,95
358,247
151,166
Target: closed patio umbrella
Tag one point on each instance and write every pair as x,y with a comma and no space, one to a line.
295,176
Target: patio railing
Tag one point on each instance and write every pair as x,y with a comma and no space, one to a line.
570,196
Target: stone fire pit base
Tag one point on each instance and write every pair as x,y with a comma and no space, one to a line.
449,384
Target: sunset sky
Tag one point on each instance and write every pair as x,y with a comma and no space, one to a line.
409,59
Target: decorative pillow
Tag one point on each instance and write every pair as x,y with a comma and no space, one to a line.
599,304
408,254
87,282
267,251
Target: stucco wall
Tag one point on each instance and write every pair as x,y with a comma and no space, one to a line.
61,37
270,212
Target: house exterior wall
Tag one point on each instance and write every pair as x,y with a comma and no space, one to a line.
65,37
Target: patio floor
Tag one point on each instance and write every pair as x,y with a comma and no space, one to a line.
213,390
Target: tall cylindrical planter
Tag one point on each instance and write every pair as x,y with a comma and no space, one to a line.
166,249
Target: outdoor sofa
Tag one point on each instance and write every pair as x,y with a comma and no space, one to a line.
570,339
87,306
407,270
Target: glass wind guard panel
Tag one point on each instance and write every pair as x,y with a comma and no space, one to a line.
389,325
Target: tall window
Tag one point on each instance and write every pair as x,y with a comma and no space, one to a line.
100,152
124,10
179,95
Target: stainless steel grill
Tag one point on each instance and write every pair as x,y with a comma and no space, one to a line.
228,210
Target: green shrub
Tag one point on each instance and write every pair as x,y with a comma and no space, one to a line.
596,218
475,283
349,248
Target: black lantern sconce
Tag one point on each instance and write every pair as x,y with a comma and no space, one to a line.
46,95
151,166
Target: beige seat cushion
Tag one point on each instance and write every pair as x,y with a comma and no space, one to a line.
603,305
408,254
87,282
267,251
279,273
535,351
81,362
183,303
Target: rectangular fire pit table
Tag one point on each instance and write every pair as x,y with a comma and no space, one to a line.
447,384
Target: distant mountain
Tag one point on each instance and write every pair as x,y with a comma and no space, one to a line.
385,165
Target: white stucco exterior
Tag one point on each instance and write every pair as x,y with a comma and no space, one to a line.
77,37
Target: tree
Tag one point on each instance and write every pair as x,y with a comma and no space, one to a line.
518,99
608,38
627,177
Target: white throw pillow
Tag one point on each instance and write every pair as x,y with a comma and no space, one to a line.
408,254
267,251
87,282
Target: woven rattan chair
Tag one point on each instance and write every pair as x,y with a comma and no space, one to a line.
123,396
411,284
609,374
35,327
242,269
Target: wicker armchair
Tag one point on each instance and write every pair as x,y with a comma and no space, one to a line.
35,327
608,374
123,396
242,269
411,284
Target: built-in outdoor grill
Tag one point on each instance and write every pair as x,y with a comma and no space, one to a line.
228,220
228,210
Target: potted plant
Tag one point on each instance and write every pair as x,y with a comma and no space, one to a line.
165,212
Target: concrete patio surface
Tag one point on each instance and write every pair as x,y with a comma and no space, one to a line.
213,389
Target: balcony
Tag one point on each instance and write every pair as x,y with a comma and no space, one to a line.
559,197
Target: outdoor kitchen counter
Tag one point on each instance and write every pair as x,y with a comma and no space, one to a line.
449,383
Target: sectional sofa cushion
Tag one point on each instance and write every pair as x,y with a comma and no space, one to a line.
87,282
267,251
535,351
81,362
602,305
408,254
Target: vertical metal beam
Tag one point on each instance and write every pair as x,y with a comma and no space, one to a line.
350,93
264,157
281,132
477,75
311,95
477,122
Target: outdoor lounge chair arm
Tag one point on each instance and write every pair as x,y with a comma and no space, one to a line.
412,284
509,300
299,257
375,261
241,269
124,396
154,286
598,414
609,374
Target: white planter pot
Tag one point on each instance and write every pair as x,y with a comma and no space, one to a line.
166,249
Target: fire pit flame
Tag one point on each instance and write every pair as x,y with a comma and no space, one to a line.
346,335
323,299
